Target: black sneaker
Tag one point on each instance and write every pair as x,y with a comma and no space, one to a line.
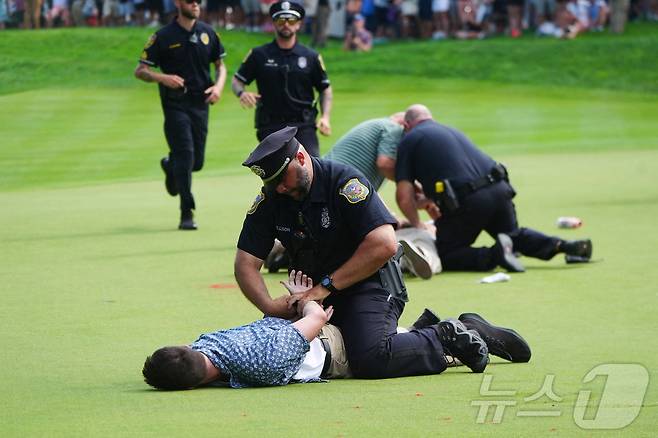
187,221
577,251
170,182
426,319
504,253
466,345
502,342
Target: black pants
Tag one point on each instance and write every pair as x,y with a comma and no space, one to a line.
306,135
368,319
490,209
186,128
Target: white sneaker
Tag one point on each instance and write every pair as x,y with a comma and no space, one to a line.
419,266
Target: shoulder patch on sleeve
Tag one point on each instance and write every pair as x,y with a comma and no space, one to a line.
321,63
354,191
260,198
150,41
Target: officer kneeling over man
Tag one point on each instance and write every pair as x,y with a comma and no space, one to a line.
337,229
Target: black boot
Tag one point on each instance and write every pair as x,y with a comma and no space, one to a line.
577,251
501,342
504,254
187,221
426,319
466,345
170,181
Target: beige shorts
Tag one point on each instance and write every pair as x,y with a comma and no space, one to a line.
339,367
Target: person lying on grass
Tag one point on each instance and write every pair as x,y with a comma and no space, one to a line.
274,351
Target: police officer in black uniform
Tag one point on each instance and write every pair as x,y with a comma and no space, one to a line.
183,50
339,232
286,73
474,194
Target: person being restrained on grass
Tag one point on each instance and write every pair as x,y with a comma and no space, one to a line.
474,194
274,351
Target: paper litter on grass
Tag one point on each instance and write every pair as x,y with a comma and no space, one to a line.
496,278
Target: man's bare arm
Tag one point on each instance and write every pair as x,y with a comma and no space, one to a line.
324,124
144,73
386,166
247,273
405,196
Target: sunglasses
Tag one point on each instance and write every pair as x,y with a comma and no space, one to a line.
290,20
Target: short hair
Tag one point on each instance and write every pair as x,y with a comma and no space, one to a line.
417,112
173,368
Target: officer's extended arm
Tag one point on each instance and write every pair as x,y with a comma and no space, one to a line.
247,273
144,73
324,124
405,195
247,98
377,247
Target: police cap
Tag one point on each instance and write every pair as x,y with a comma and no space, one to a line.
286,9
271,157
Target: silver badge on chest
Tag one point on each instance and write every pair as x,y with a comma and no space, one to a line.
325,221
194,39
302,62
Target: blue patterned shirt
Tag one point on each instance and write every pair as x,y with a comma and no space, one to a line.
267,352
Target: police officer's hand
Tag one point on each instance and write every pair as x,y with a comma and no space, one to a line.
316,293
172,81
324,126
249,99
298,282
213,94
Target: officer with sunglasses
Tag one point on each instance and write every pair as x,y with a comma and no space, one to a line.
183,51
286,74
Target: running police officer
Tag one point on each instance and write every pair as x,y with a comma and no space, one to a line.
184,50
474,194
286,73
339,232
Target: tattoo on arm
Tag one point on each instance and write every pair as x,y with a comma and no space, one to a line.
237,87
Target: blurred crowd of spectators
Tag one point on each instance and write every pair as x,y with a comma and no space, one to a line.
360,22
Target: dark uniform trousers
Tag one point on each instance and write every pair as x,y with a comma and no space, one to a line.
490,209
368,319
306,135
186,128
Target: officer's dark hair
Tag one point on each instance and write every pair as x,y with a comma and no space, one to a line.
173,368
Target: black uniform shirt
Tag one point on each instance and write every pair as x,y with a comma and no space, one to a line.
431,152
186,54
285,77
323,231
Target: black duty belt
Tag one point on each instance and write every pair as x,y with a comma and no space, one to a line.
497,174
327,357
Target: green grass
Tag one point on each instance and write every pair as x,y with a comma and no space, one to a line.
95,276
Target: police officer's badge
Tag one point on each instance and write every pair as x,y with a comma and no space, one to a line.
285,6
260,198
194,39
205,39
325,221
354,191
258,170
302,62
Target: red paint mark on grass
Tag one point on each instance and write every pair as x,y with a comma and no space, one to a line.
223,286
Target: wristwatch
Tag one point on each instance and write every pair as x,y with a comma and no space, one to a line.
328,284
